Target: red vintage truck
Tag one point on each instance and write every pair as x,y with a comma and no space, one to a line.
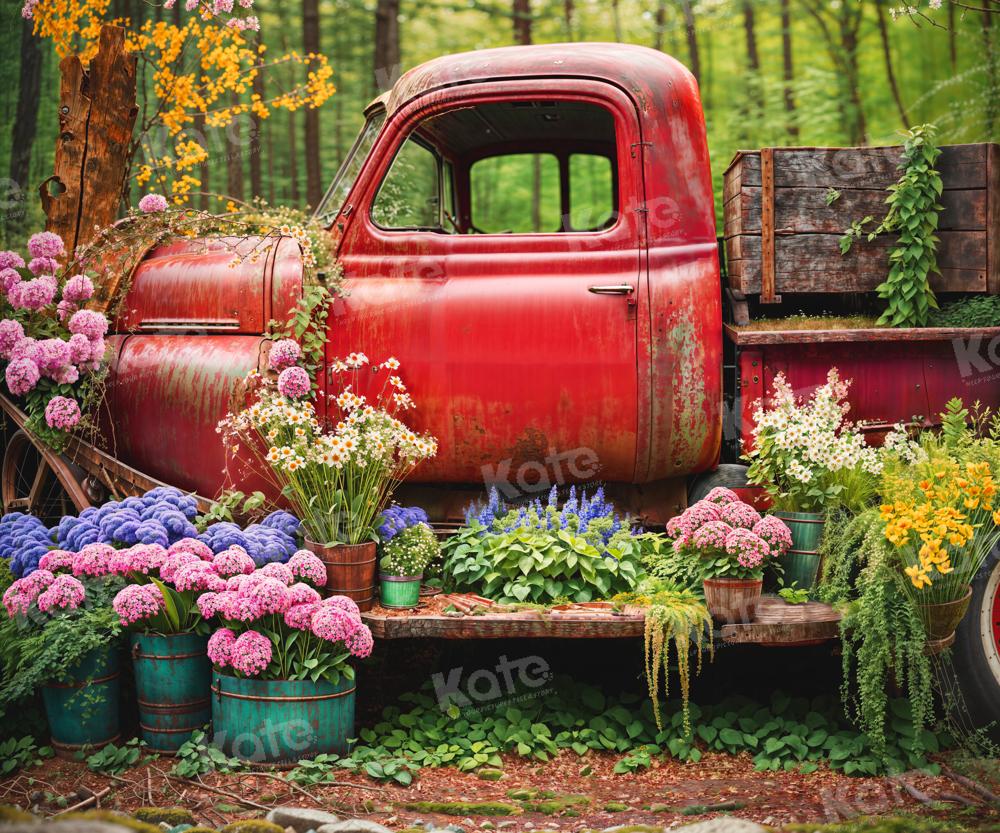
531,231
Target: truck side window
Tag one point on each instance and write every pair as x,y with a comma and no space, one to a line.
410,194
591,192
517,193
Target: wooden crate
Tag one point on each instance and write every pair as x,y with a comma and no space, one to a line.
782,237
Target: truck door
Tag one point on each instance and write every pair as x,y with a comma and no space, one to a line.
493,245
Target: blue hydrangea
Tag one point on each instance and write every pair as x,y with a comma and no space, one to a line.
24,539
395,519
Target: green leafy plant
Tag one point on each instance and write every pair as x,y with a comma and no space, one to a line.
973,311
198,757
114,760
313,771
230,506
410,551
913,216
18,753
794,595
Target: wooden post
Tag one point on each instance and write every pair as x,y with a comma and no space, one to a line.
767,294
993,219
97,111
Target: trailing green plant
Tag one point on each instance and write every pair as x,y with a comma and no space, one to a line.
114,760
662,561
197,756
312,771
882,635
913,216
675,615
307,325
18,753
973,311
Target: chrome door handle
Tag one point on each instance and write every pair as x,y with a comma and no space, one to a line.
613,289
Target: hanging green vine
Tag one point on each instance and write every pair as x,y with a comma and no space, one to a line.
882,636
913,215
673,614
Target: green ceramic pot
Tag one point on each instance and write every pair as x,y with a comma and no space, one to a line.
400,591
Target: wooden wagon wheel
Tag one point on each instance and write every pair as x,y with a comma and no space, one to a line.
37,481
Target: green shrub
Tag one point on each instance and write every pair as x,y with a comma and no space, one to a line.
974,311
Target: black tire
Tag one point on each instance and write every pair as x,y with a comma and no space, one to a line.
976,656
730,475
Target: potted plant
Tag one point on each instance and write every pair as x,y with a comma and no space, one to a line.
942,516
809,459
168,636
408,546
67,644
731,544
338,479
283,685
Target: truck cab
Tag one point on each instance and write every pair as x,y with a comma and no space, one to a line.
531,232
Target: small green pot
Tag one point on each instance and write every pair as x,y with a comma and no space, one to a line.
400,591
802,561
172,680
83,710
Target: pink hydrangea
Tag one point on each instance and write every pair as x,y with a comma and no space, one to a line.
11,260
192,546
19,596
293,382
89,323
22,375
92,561
270,595
360,643
299,616
344,603
332,624
176,561
97,350
720,495
302,594
43,266
281,572
749,549
144,558
78,289
711,536
57,560
739,514
251,653
198,577
308,567
80,348
284,353
62,412
775,533
67,375
220,647
207,604
152,203
26,348
11,333
46,244
235,583
64,309
33,295
65,593
9,278
136,602
232,562
238,607
51,354
40,579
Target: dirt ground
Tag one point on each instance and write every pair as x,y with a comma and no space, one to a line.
654,797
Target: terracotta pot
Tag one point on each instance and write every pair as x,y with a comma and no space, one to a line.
732,600
350,570
940,620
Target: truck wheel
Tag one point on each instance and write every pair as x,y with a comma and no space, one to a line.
730,475
976,655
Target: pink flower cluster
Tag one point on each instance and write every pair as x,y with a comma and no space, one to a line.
62,413
153,203
65,593
307,567
19,597
249,653
284,353
775,533
136,602
749,549
293,382
739,514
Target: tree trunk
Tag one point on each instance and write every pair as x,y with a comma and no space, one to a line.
992,91
310,43
883,32
292,149
859,130
659,24
568,12
204,170
616,19
25,125
952,51
97,112
522,22
234,155
692,39
753,59
387,56
788,69
256,175
522,35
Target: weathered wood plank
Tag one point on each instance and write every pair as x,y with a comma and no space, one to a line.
767,257
744,337
804,210
993,219
961,166
813,263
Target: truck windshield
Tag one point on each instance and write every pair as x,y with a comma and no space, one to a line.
350,168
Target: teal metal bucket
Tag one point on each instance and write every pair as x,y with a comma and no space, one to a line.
281,721
173,679
801,562
400,591
83,710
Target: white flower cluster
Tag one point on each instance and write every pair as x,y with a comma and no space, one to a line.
898,443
